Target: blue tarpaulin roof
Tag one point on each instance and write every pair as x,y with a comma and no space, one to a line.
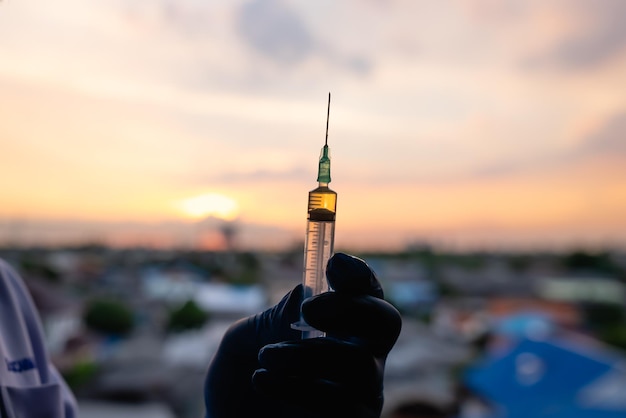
538,379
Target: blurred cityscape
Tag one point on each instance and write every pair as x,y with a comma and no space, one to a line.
485,334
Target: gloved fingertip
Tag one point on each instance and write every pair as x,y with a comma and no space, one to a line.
349,274
293,302
274,324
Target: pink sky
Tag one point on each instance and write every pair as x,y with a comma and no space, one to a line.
463,123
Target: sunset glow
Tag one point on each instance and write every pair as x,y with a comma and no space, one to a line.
210,204
476,123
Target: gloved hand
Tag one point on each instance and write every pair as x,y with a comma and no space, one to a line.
263,368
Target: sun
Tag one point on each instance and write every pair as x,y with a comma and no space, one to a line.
210,204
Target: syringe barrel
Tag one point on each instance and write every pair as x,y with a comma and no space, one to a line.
318,248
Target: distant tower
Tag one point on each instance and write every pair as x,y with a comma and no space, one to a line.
216,234
229,231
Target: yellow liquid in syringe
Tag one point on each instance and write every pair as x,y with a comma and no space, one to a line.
322,204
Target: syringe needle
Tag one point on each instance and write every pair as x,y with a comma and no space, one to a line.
327,118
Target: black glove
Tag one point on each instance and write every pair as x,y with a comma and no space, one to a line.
340,375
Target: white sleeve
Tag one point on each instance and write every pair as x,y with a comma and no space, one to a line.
28,373
70,405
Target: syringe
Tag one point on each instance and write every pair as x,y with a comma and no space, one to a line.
320,235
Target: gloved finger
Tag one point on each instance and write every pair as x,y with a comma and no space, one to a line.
360,319
318,397
324,358
348,274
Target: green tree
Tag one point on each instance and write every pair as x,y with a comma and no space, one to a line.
108,317
187,316
614,335
592,262
608,322
250,269
80,374
33,266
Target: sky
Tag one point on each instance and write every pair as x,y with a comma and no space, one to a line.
461,123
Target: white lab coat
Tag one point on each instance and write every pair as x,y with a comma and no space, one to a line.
30,386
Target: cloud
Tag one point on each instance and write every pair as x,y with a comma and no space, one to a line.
273,29
257,176
606,142
567,35
609,140
598,36
495,154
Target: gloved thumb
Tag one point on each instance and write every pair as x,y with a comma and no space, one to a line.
229,376
274,324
